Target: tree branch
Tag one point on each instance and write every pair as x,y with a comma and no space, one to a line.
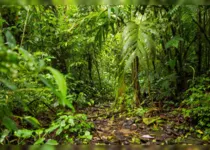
202,30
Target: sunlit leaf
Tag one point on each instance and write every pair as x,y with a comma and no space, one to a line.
52,142
151,120
59,131
87,136
71,121
24,133
33,121
52,128
4,134
199,131
61,83
39,131
39,141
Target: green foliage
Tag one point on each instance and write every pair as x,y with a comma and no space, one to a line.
137,42
61,83
150,120
33,121
61,90
54,58
81,101
24,95
164,87
52,142
140,111
197,101
4,135
9,123
174,42
23,133
71,127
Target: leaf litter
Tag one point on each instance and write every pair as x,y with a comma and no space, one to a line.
123,129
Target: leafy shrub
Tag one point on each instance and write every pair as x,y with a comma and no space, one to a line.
27,83
71,127
197,101
140,111
67,128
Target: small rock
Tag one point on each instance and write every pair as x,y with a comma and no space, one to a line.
147,137
126,142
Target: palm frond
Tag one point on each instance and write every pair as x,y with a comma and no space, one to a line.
137,42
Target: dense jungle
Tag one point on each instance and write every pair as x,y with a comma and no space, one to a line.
104,74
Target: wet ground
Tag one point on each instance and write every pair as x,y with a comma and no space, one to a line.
154,128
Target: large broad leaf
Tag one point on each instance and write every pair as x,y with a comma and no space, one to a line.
33,121
9,123
61,83
130,37
61,90
136,42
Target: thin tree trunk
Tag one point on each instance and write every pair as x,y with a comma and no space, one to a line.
208,61
206,43
199,52
98,73
135,72
90,66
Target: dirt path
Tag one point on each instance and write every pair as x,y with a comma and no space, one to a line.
124,130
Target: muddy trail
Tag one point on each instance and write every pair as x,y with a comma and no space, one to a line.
126,129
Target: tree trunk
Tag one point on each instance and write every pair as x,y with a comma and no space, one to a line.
90,66
199,51
135,72
98,73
